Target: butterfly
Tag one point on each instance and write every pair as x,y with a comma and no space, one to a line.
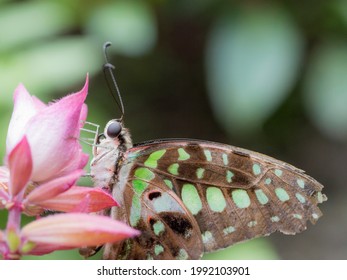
189,197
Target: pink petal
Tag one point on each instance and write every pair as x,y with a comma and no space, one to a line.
43,249
82,206
4,174
20,165
83,160
52,134
83,115
80,199
77,230
84,110
24,109
4,181
52,188
79,162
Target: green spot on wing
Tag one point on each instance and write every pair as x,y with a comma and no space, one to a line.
158,249
282,194
225,159
252,224
139,186
229,176
135,211
168,183
278,172
207,237
158,227
144,173
228,230
215,199
241,198
256,169
267,181
182,255
261,196
297,216
183,155
173,168
208,155
153,158
191,198
200,173
275,219
301,183
300,197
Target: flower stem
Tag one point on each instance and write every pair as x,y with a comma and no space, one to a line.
13,232
14,219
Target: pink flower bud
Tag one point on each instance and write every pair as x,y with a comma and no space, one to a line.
76,230
51,130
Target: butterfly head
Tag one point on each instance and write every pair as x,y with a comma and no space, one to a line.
115,136
108,150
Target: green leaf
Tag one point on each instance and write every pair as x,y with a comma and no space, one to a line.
32,20
53,66
129,25
326,89
252,62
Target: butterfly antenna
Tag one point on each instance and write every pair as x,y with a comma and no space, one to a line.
108,67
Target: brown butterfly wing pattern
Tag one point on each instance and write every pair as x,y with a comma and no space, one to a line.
189,197
168,229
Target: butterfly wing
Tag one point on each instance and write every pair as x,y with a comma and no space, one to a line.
231,193
169,230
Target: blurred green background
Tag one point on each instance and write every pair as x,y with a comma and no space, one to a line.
269,76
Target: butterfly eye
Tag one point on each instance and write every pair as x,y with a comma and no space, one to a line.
113,129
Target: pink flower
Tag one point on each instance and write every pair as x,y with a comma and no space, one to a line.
44,160
59,231
43,139
51,130
58,194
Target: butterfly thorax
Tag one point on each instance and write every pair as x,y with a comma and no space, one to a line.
108,154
